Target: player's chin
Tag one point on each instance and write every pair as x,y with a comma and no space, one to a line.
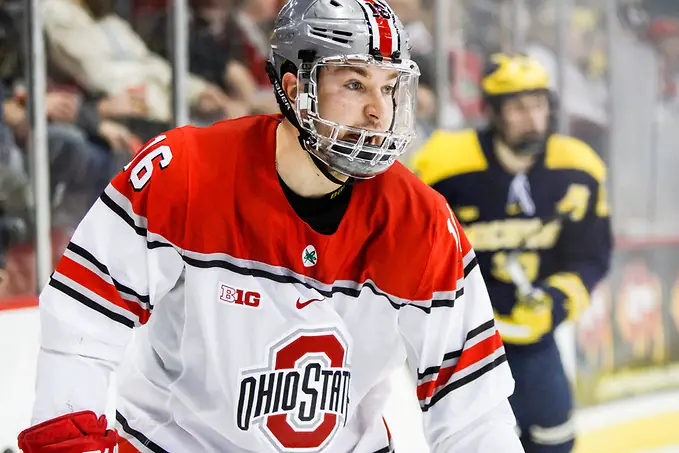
534,136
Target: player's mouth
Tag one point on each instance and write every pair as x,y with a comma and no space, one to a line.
354,137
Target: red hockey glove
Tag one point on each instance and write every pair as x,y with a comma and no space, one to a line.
80,432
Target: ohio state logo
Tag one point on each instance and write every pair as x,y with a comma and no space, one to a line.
302,398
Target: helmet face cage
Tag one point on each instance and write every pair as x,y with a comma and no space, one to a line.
372,152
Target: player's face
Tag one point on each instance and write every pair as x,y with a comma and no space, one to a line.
525,117
357,96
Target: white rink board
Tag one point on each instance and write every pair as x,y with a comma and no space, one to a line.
19,343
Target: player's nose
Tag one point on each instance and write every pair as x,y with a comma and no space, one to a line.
375,109
535,118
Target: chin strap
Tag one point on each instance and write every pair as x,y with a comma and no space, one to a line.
285,105
325,170
304,137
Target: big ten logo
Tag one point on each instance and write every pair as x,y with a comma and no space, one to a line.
595,329
238,296
639,312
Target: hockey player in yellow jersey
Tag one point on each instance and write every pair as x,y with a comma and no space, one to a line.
533,204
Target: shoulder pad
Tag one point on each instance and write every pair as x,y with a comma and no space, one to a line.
448,154
568,153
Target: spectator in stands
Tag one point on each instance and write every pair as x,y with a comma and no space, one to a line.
71,175
15,198
110,143
252,25
105,55
69,152
215,52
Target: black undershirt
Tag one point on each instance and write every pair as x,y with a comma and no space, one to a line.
323,214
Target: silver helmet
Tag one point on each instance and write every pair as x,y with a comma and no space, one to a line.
310,35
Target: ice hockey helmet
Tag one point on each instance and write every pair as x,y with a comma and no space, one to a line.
311,34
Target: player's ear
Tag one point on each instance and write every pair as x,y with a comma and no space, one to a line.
289,84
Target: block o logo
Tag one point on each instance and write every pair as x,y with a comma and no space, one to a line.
301,398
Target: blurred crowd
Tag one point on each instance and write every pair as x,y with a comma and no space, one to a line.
109,89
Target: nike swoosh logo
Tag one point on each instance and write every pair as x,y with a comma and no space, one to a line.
301,305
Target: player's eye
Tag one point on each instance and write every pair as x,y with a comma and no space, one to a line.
388,90
354,85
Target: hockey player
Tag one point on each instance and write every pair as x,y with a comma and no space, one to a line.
533,205
279,273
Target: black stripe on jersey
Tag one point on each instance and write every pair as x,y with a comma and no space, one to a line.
456,354
81,252
470,266
464,381
447,302
157,245
75,295
479,330
148,443
141,231
435,369
351,292
259,273
384,450
108,201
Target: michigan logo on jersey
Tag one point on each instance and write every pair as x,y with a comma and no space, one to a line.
301,399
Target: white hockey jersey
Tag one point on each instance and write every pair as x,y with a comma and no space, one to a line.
262,335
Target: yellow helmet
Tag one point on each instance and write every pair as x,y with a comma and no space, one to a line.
509,75
513,74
